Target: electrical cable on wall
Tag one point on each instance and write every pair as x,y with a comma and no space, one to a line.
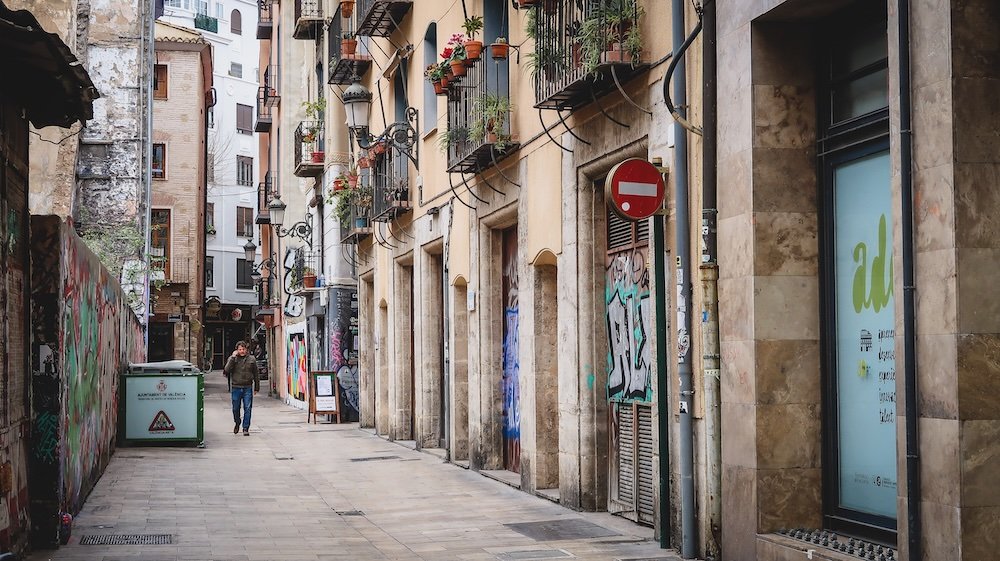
678,56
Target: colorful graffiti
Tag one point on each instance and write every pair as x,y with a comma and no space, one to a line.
297,365
84,337
511,390
343,329
629,323
295,305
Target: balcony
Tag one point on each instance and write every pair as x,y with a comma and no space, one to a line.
308,19
267,99
201,21
357,225
265,19
391,184
345,61
379,18
582,49
309,153
479,112
265,192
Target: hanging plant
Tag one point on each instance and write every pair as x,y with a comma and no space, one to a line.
348,44
346,8
499,49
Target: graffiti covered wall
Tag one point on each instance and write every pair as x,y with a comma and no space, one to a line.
296,365
84,336
342,316
629,318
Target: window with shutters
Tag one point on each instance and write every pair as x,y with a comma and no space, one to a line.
244,222
236,22
236,70
160,81
244,170
159,163
244,119
209,271
244,272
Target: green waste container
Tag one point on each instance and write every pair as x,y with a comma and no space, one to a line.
162,402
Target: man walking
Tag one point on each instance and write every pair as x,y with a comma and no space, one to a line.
242,372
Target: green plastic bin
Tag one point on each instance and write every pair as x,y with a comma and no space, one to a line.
162,402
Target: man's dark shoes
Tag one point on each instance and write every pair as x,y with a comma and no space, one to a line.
236,428
246,432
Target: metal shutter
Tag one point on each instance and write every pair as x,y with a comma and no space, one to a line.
644,461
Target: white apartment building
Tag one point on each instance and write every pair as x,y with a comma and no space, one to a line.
230,25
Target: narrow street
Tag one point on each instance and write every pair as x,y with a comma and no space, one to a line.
294,491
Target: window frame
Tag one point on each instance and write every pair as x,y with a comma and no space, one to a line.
209,271
840,142
155,234
244,228
247,112
244,273
236,22
163,165
244,171
161,93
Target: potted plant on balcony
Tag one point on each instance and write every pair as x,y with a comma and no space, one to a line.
342,201
348,44
434,73
492,113
547,59
309,277
346,8
363,205
473,47
499,49
352,178
611,35
454,55
340,183
452,136
522,4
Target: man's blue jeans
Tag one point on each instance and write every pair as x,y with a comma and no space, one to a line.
244,396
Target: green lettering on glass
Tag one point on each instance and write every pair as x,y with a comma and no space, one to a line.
879,284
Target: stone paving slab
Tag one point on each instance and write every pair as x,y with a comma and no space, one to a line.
291,492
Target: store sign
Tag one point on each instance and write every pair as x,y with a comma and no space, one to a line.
866,345
161,407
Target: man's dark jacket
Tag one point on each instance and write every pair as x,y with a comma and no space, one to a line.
242,372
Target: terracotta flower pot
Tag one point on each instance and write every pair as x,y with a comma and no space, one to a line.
363,163
525,3
338,185
318,157
444,82
473,50
309,281
438,88
617,55
352,180
379,148
346,8
348,47
499,51
457,67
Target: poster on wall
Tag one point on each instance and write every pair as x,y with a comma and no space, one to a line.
865,331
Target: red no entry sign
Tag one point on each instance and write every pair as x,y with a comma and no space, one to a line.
635,189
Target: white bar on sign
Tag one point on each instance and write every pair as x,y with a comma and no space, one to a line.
637,189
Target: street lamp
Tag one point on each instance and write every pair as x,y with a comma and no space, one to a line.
250,252
403,134
302,229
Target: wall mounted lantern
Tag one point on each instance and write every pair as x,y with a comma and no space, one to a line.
302,229
402,134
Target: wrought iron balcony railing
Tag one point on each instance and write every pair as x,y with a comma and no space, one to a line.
265,192
308,19
265,19
208,23
309,149
345,58
479,114
584,49
356,225
264,121
379,18
390,182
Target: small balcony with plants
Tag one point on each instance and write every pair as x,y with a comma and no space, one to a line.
583,49
267,99
345,60
265,192
308,19
265,19
479,132
379,18
310,155
389,169
206,22
351,198
303,270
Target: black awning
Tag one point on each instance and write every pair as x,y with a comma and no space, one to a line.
40,72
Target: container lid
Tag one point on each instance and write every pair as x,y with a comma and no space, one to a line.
167,366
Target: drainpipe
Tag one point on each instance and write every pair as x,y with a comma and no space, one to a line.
147,172
913,535
683,233
711,363
662,411
446,338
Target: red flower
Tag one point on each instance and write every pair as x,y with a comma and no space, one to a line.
446,54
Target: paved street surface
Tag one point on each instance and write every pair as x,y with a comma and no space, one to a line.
292,491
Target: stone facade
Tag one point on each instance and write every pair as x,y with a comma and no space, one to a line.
770,226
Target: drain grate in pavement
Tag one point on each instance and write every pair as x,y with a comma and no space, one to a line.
566,529
284,457
128,539
374,458
535,554
350,513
